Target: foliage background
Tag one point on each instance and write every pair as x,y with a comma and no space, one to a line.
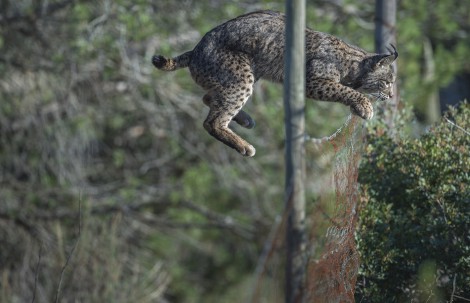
167,213
413,233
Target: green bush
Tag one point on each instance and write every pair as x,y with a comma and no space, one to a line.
413,235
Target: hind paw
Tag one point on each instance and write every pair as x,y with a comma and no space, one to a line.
247,150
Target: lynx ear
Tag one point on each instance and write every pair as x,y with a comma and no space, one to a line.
388,59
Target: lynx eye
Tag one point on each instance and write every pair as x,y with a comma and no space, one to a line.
386,84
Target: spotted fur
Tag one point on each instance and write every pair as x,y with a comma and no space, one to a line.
230,58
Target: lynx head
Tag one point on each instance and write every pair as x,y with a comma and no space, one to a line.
379,75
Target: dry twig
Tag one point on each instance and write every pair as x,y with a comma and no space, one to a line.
37,274
57,295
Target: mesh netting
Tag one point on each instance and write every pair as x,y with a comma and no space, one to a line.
332,278
333,258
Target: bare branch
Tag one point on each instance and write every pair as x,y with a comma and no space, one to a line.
459,127
37,274
72,251
215,220
41,11
453,289
268,249
462,298
18,221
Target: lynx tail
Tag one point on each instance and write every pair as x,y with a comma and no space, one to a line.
168,64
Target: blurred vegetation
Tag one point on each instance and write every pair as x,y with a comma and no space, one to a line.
168,213
413,233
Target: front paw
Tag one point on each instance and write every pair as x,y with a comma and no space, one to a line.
363,109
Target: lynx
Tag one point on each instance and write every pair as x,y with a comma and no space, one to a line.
230,58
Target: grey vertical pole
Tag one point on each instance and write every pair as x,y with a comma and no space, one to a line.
294,105
385,34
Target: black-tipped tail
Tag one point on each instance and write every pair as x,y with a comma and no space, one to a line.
167,64
159,61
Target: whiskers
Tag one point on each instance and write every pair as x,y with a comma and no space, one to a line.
380,96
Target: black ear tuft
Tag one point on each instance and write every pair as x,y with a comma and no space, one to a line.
387,59
394,52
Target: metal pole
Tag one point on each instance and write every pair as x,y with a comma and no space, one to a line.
294,106
385,34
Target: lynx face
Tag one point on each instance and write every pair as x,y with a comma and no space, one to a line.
378,81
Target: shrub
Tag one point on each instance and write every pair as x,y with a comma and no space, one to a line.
413,234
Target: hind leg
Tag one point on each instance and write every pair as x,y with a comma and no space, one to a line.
229,79
242,118
224,108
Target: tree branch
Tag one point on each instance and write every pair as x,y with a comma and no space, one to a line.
37,274
216,220
39,12
72,251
